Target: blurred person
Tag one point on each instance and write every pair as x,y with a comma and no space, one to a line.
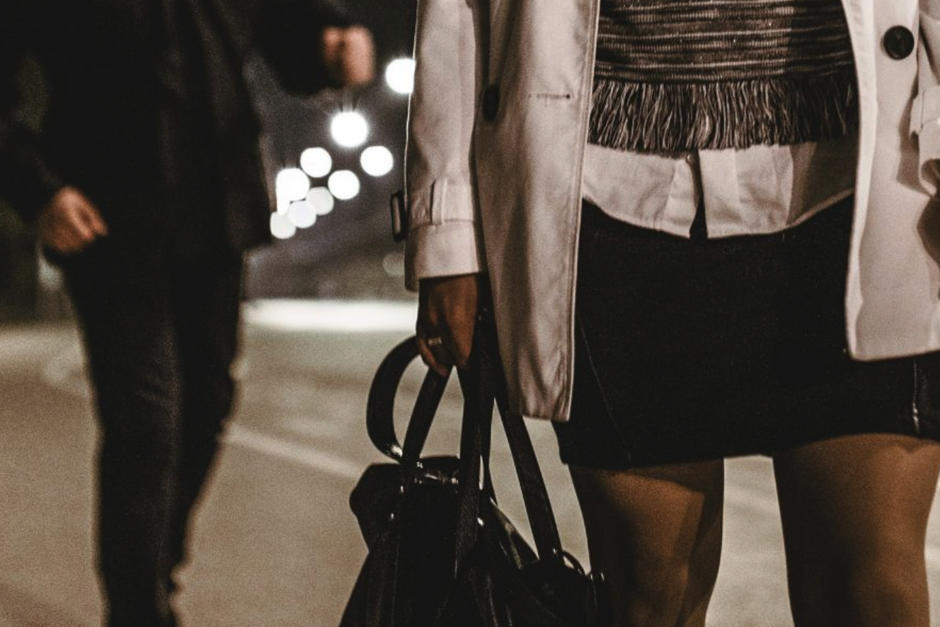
146,186
699,246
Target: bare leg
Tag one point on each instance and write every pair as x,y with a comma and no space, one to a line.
656,535
854,513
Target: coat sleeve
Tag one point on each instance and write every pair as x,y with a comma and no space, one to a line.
925,113
440,200
26,179
287,34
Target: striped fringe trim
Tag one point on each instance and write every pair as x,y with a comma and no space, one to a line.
671,118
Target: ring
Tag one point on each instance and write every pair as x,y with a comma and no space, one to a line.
434,341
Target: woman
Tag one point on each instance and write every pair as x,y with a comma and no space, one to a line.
740,196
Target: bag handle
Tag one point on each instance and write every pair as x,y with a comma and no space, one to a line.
380,419
483,383
486,362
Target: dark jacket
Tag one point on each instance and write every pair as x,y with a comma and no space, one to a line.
102,61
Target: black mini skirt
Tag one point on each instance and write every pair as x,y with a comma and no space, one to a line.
693,349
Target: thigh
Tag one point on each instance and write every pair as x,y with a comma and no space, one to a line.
656,534
854,512
652,509
852,495
126,320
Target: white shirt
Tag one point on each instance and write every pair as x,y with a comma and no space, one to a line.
762,189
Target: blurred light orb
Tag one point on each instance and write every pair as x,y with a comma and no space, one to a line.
316,162
302,214
349,129
344,184
394,264
281,226
282,204
321,200
400,75
377,160
291,184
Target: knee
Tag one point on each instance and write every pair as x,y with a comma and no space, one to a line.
887,588
139,413
650,583
143,399
654,572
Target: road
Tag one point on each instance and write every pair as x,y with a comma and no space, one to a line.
275,542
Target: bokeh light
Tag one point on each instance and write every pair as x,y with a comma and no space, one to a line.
349,129
321,200
302,214
377,160
291,184
281,226
400,75
344,184
316,162
394,264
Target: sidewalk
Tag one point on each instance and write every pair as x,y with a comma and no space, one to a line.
275,543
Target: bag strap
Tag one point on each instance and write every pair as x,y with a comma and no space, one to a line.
483,380
534,492
380,420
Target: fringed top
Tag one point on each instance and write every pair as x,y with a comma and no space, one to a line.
680,75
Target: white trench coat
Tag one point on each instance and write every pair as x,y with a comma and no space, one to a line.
497,130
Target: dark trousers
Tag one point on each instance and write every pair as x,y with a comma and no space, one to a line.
160,336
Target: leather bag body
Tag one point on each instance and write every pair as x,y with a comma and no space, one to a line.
441,552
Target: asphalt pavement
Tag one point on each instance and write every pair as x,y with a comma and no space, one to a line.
274,542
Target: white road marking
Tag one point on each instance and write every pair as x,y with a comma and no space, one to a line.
65,372
328,316
301,454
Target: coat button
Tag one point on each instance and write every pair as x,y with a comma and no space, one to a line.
491,102
898,42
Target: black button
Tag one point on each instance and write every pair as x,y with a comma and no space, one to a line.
491,102
898,42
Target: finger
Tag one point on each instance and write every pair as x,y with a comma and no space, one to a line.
462,343
74,222
430,359
452,349
92,219
331,45
441,353
358,56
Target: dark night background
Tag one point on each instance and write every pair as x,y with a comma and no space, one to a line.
346,254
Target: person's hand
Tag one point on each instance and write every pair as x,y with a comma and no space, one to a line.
447,310
70,222
349,55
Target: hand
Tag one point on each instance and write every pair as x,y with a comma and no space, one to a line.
70,222
349,55
447,311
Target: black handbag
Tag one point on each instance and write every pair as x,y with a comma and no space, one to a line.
441,553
